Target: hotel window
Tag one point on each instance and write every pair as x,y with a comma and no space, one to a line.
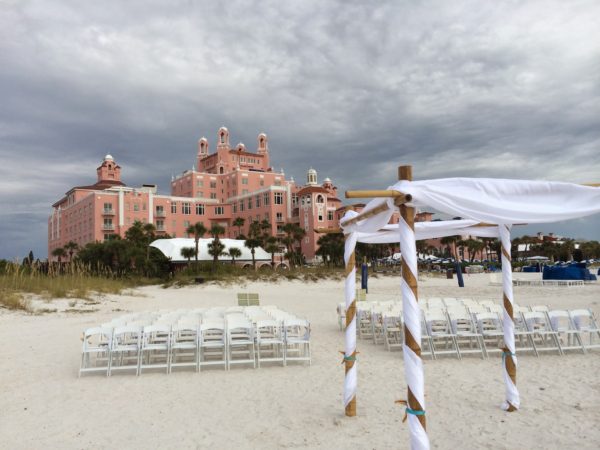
136,206
279,217
244,191
108,207
258,217
174,208
267,216
160,225
186,224
213,195
258,201
241,205
278,198
199,210
143,206
234,207
266,198
329,215
219,210
262,182
199,183
199,194
320,217
244,180
250,203
277,182
186,208
213,184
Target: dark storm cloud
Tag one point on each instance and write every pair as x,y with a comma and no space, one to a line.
467,88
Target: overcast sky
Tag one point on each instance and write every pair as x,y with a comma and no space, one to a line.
462,88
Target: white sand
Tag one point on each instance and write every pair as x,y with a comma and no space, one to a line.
44,405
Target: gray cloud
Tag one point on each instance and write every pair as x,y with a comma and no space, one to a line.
466,88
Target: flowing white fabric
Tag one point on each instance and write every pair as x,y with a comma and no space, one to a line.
413,364
512,393
351,377
428,230
501,201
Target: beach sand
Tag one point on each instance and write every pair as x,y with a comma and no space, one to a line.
44,405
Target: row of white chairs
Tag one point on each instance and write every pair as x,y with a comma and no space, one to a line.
196,342
479,329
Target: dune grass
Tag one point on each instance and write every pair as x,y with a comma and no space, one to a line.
71,281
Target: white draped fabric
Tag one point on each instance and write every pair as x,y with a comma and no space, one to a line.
496,201
427,230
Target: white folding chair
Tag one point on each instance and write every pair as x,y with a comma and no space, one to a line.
297,340
586,323
466,333
545,338
156,345
125,349
96,342
184,345
212,344
568,335
269,342
392,329
240,341
490,327
440,331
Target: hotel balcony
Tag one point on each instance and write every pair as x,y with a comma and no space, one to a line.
109,212
161,230
108,226
160,213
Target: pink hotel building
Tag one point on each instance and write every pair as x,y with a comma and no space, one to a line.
224,185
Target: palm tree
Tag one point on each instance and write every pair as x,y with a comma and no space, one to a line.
239,222
254,240
71,247
447,241
59,253
217,247
198,231
188,252
234,252
271,247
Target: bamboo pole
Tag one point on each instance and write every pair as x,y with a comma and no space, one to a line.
413,364
350,368
378,193
366,214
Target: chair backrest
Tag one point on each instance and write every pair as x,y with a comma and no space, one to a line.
583,319
488,321
560,320
96,337
297,329
536,321
540,308
126,334
267,329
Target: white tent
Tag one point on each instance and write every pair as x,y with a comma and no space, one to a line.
171,248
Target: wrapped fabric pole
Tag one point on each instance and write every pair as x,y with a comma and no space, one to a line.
413,364
350,380
509,358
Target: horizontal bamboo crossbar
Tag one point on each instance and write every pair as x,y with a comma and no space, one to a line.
591,184
366,214
383,193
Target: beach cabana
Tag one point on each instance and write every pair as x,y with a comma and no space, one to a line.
494,206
